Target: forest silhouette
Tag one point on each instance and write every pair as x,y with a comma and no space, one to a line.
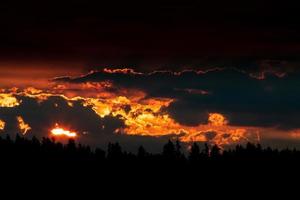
48,160
49,150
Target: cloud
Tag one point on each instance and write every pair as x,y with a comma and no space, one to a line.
91,129
42,117
268,99
217,105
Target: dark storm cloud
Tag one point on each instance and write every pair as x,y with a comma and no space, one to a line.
148,34
271,100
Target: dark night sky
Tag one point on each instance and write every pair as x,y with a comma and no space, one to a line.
148,34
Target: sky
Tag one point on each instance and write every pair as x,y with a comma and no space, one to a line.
144,72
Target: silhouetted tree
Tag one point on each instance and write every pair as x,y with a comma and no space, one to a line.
178,153
114,151
206,150
215,151
99,154
35,142
71,146
169,150
142,153
194,154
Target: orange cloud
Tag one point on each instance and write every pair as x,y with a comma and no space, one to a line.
2,124
8,100
142,116
121,71
23,126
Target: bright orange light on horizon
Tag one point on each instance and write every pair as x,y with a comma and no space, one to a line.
57,131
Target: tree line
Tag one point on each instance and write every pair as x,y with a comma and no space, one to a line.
22,149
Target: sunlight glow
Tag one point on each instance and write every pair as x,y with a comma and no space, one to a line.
2,124
57,131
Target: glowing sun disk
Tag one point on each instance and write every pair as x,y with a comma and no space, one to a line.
61,132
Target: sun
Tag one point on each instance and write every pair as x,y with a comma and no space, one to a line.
58,131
